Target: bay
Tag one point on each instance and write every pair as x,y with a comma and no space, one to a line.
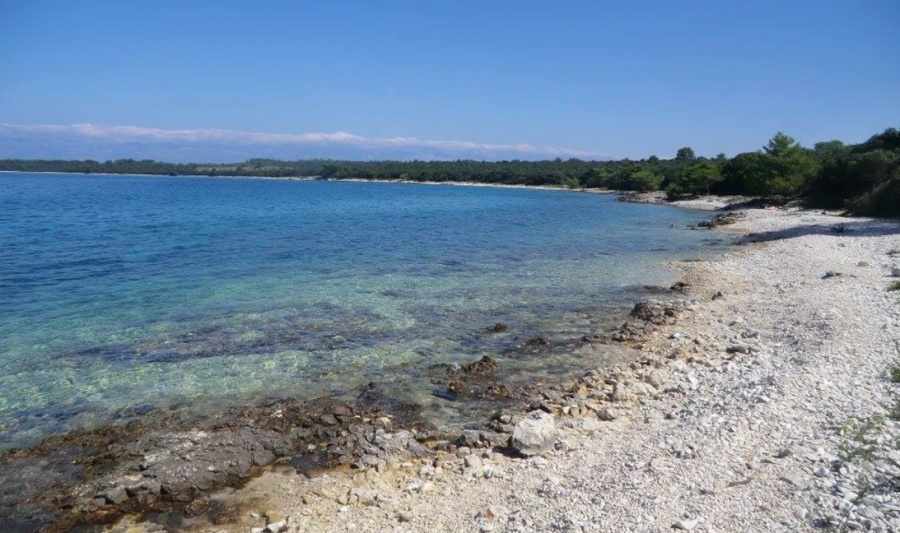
120,294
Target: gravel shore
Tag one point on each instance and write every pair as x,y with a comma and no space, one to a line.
762,401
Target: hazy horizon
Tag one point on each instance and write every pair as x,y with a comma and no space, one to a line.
225,80
97,142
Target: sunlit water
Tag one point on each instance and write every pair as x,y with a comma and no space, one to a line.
119,294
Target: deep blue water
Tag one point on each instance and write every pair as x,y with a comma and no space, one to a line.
123,293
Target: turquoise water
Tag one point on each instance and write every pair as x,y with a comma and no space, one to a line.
120,294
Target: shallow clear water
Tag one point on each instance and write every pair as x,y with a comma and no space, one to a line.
118,294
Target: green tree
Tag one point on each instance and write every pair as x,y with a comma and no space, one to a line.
698,178
685,155
738,172
782,168
643,179
572,182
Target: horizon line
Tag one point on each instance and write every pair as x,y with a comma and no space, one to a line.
130,133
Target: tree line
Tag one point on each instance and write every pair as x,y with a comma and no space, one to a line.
862,178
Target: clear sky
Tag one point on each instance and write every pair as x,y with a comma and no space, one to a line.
587,78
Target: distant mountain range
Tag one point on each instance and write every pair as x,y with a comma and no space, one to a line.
100,142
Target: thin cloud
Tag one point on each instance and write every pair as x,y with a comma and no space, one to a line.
250,138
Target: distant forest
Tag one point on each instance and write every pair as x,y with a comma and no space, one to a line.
862,178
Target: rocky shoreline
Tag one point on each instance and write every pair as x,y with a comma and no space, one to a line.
762,402
170,462
726,421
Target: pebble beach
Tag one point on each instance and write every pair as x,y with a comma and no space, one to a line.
761,400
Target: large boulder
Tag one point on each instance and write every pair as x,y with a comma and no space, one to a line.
535,434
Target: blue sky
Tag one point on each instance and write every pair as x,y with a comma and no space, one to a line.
482,79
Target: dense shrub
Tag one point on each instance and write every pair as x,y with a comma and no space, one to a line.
882,201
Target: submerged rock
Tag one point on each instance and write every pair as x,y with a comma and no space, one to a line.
486,365
537,342
499,392
457,389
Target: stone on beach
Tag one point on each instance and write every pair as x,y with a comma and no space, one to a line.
657,378
535,434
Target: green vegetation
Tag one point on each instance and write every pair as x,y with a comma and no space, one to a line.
862,438
893,411
895,286
864,179
893,252
700,176
572,182
895,373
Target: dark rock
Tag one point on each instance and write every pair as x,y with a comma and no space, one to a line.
458,389
342,410
738,348
328,420
656,312
114,495
655,289
416,449
499,327
446,368
629,332
537,342
722,219
479,438
394,443
499,391
146,486
501,422
540,406
486,365
679,286
261,457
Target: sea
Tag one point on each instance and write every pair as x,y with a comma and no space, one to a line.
124,294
